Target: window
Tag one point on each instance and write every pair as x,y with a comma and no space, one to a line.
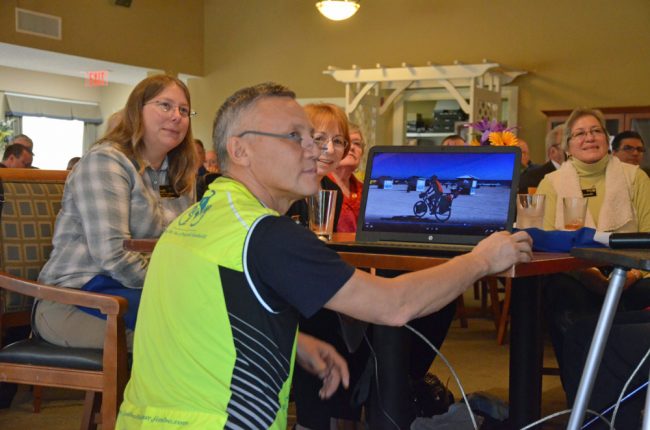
55,140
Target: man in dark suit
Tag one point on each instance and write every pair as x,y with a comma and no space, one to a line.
530,178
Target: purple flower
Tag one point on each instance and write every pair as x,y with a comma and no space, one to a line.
486,126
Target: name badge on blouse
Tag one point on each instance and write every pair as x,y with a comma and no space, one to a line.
589,192
167,192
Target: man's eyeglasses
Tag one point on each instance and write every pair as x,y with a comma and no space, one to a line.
293,136
321,140
167,107
581,135
628,148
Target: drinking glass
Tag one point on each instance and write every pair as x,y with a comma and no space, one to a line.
530,210
321,213
575,211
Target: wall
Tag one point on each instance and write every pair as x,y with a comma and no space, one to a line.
110,98
577,52
157,34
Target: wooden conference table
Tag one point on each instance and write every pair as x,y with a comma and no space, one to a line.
526,340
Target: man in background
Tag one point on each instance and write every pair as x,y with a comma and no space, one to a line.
200,150
556,156
211,162
17,156
453,140
628,146
526,163
26,141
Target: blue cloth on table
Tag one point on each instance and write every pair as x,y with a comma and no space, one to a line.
107,285
562,241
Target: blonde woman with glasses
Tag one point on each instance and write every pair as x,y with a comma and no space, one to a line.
332,135
618,201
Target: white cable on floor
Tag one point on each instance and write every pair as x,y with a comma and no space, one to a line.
620,397
453,372
564,412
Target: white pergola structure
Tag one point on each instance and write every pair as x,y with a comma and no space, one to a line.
479,89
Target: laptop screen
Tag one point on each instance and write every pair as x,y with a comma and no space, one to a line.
438,194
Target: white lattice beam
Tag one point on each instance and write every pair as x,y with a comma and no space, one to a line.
457,95
432,72
396,92
354,103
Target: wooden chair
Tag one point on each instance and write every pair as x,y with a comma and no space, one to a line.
504,313
488,288
101,373
32,199
483,289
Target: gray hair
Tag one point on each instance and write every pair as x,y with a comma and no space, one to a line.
552,137
23,136
574,117
231,111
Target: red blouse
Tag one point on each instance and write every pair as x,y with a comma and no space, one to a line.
350,208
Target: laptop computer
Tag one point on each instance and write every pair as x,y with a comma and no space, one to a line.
419,199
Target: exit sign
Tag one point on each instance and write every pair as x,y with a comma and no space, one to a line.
97,78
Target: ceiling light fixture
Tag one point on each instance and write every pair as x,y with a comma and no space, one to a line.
338,10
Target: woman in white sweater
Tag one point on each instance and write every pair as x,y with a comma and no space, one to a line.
618,196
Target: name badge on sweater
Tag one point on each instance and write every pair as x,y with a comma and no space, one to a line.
589,192
167,192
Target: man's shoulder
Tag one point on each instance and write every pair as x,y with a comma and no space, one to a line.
283,227
543,169
533,176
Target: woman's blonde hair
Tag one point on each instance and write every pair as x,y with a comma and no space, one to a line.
127,134
575,116
321,114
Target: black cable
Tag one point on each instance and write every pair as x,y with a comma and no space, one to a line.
379,401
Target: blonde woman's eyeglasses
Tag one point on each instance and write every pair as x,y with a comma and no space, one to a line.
581,135
167,107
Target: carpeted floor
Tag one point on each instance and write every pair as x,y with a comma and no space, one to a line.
62,409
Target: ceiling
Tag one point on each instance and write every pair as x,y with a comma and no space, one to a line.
21,57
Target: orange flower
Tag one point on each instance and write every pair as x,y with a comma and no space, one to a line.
509,139
475,142
496,138
503,138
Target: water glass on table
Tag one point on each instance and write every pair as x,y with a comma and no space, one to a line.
321,213
575,212
530,210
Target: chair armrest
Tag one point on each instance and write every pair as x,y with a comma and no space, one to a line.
108,305
33,175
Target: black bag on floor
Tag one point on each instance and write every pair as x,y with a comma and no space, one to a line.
431,396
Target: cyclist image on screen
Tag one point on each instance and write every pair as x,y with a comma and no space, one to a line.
433,193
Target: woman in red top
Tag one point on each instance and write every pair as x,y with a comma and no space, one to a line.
350,186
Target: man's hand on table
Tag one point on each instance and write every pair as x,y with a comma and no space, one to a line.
501,250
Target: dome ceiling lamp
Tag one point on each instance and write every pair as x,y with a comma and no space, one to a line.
338,10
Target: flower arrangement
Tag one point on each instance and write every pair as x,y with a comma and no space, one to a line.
493,132
6,131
